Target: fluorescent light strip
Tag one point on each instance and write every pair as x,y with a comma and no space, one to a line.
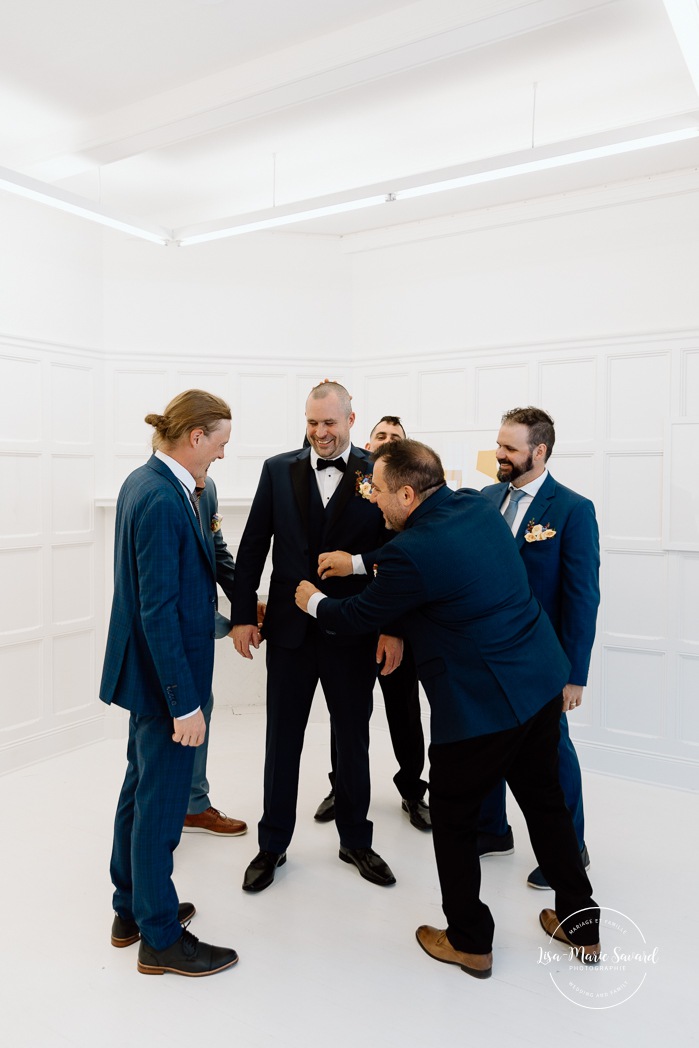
31,190
493,175
283,220
547,163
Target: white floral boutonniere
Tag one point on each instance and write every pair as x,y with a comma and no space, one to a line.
375,569
538,533
216,522
364,485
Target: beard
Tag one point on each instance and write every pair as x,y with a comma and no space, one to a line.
512,472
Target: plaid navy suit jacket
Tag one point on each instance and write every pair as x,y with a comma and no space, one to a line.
160,646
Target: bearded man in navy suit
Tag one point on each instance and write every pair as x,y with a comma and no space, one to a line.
493,670
159,665
309,501
556,533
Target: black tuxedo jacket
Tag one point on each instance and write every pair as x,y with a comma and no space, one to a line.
281,512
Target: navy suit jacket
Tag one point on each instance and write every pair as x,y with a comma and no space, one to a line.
280,510
486,654
160,645
563,571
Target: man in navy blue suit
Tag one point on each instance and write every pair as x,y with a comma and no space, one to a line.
493,671
309,501
158,664
556,532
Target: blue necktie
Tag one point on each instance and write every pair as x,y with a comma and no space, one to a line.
511,511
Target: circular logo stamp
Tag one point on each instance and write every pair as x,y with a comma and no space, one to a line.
625,960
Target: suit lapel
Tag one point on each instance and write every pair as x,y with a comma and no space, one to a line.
300,481
539,509
168,475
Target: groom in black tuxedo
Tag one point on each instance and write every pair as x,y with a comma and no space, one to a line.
309,501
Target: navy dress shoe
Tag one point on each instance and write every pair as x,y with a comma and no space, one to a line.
419,814
187,956
370,865
260,873
495,843
326,809
126,932
536,878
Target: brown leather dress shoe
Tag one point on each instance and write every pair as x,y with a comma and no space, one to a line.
187,956
552,926
434,942
214,821
124,932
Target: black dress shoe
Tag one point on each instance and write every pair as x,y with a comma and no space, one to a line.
536,878
126,932
326,809
418,813
187,956
370,865
260,873
495,843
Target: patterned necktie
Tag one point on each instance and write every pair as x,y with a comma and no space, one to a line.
338,463
511,511
194,499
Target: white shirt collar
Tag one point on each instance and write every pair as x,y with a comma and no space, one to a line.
183,475
533,486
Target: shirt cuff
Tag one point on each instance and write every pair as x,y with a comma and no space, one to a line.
313,603
186,716
358,567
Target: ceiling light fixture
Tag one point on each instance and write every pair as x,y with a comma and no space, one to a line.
43,193
519,165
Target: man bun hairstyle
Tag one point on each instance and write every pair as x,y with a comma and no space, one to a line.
193,409
412,463
540,426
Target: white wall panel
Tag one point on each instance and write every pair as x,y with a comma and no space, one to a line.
688,705
20,387
73,584
383,393
72,404
497,389
22,692
568,391
635,691
442,399
73,671
688,597
639,397
633,497
690,385
133,394
636,594
72,494
21,586
575,471
21,503
262,406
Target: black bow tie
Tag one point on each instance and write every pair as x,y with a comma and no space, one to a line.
338,463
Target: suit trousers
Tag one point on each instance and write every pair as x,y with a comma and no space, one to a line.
199,792
347,673
461,774
147,829
493,817
401,698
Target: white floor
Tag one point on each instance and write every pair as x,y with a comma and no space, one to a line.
325,957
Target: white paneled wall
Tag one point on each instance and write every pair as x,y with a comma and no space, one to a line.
50,561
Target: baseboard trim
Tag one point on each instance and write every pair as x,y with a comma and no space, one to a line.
25,752
678,773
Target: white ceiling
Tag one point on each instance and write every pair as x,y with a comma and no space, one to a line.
187,112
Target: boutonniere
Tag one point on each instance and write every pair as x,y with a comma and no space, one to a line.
375,569
363,486
216,522
538,533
